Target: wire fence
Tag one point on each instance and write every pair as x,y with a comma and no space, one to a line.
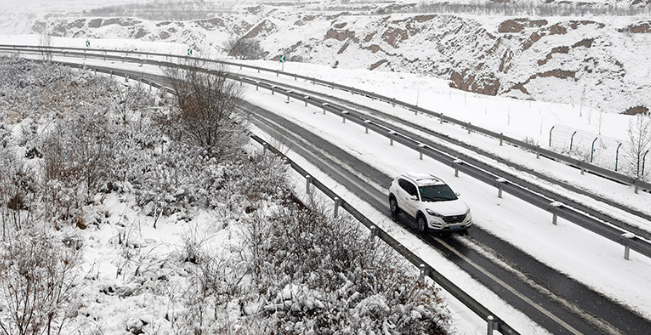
606,152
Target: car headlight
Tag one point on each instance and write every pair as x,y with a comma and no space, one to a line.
433,213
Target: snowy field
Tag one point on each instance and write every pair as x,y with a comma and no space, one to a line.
570,249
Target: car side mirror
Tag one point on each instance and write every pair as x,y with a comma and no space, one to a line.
457,194
414,198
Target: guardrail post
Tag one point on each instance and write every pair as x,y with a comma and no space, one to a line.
332,85
391,133
423,273
555,205
276,73
468,126
490,325
343,115
265,147
501,139
366,123
258,69
393,102
374,232
499,183
626,241
337,203
441,118
272,89
308,181
126,79
324,106
257,83
637,188
455,165
111,74
537,152
420,150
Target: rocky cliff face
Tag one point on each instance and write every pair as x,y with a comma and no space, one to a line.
601,63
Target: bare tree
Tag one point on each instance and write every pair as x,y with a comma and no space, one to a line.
639,135
45,41
36,284
243,48
206,115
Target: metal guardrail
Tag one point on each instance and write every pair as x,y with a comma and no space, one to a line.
584,166
493,322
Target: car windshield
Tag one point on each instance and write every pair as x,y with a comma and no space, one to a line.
437,193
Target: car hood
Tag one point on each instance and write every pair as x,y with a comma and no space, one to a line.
448,208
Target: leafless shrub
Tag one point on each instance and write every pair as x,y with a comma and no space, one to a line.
37,274
325,275
45,41
133,99
243,48
214,282
78,157
639,136
206,116
17,193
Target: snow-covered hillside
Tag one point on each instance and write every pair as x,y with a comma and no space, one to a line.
599,61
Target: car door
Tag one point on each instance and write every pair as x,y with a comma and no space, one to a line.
408,191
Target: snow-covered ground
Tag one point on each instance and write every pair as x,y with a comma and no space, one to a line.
570,249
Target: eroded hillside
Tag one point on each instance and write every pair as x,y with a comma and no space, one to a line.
600,62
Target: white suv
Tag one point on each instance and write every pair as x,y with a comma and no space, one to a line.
430,201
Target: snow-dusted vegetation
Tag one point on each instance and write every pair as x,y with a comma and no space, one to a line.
127,210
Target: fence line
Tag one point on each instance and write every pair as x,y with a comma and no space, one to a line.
602,151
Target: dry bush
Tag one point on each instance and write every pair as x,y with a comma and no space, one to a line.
243,48
17,192
324,276
37,275
639,144
206,115
78,158
214,284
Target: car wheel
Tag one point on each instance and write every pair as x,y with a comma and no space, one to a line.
393,206
422,223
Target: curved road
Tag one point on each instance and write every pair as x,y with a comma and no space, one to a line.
554,301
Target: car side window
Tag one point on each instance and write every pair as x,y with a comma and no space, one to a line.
408,187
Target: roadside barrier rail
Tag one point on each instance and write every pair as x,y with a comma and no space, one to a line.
582,165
